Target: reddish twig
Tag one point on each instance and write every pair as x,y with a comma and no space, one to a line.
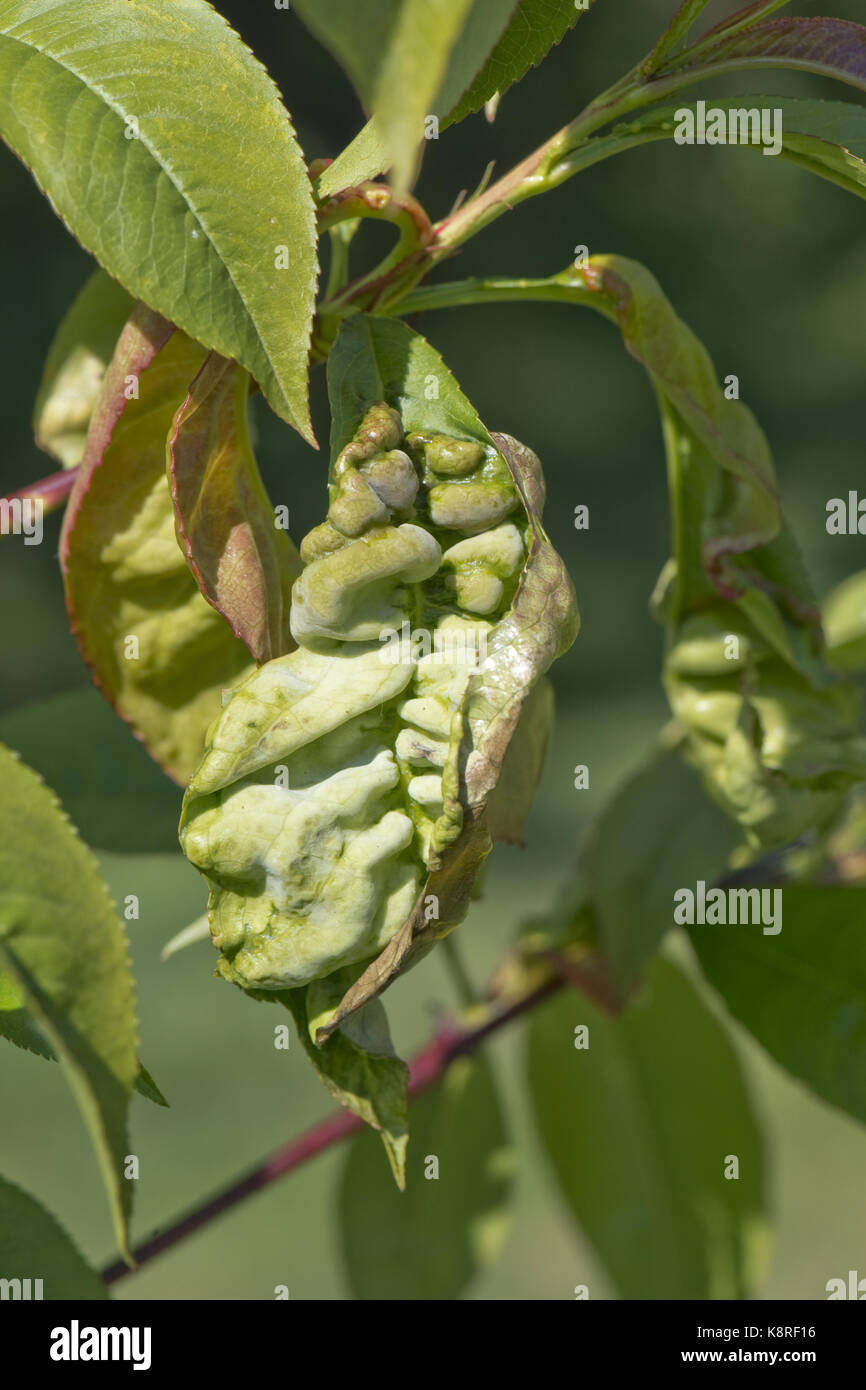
52,491
427,1067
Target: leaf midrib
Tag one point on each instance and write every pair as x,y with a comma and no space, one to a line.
124,116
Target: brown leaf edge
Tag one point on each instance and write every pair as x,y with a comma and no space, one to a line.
207,438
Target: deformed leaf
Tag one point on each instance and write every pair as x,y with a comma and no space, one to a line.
243,562
75,367
63,947
208,220
158,651
801,991
30,1241
643,1126
431,1241
339,812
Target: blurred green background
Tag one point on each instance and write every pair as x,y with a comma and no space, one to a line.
768,266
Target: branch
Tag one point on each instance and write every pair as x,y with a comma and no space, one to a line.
426,1069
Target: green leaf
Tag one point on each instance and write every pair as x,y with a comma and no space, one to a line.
63,946
33,1245
396,55
431,1241
640,1126
844,620
535,28
196,195
242,561
112,791
659,832
17,1027
827,138
357,1064
802,992
362,159
75,367
485,26
128,586
676,32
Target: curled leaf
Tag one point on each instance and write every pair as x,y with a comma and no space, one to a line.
242,561
159,653
339,812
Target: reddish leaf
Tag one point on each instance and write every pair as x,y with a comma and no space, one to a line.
242,562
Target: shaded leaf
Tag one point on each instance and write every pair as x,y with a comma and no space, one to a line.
659,833
802,992
431,1241
535,27
195,196
74,369
64,949
17,1027
242,562
159,653
827,138
397,57
33,1245
830,47
640,1126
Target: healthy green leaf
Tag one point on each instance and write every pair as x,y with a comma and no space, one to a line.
357,1063
641,1126
362,159
396,55
202,205
485,25
801,992
659,833
844,620
160,654
112,791
33,1245
242,561
75,367
827,138
431,1241
676,32
18,1027
63,947
535,28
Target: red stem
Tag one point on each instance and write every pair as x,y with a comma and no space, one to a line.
426,1068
